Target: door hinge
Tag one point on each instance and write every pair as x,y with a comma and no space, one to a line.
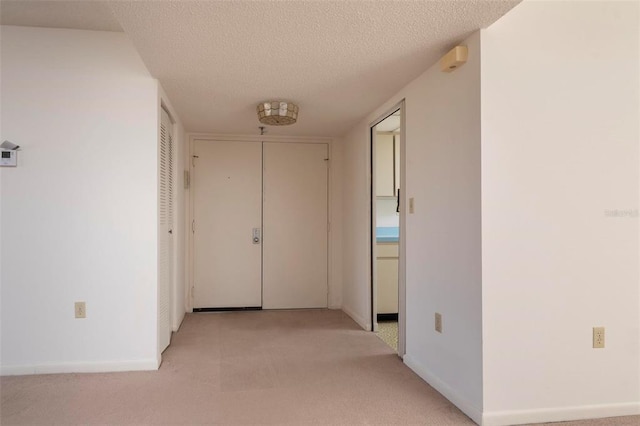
186,179
193,226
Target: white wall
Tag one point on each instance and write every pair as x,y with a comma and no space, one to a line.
560,105
79,213
356,229
443,236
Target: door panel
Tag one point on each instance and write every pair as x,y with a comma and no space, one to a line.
227,207
295,223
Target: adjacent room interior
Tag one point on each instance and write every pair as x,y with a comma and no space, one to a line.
386,146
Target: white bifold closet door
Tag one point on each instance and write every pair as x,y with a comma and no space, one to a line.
227,185
165,225
295,225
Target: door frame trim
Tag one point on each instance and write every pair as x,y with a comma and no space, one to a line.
256,138
189,201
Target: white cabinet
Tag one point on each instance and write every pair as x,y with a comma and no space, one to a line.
387,164
384,165
387,278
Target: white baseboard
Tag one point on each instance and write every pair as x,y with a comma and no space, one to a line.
177,322
503,418
357,318
80,367
462,403
335,302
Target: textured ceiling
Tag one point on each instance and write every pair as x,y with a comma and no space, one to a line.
338,60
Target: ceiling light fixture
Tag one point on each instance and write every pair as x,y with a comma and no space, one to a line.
277,113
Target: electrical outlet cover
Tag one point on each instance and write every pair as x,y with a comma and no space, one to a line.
598,337
81,310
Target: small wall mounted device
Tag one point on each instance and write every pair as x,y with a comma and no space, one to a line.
454,59
9,158
8,154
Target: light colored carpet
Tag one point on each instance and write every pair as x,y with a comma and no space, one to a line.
269,367
388,332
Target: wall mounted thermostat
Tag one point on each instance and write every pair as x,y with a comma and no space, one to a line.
8,158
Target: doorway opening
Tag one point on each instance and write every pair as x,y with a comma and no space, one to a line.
387,226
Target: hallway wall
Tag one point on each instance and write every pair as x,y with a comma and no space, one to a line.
544,166
560,182
79,213
442,237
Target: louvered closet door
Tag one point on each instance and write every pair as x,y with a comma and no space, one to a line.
165,252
